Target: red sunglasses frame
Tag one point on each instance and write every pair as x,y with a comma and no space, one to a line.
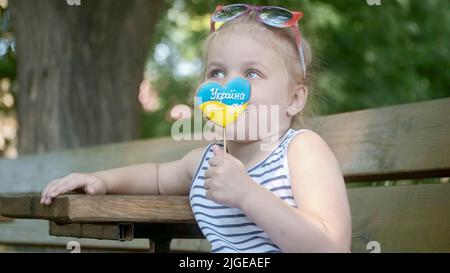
292,23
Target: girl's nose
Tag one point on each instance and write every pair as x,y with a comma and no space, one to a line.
233,75
229,76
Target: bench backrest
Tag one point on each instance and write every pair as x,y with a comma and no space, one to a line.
408,141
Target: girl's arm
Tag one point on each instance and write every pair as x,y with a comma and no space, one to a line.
171,178
322,221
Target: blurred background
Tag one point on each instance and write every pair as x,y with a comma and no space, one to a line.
81,73
112,72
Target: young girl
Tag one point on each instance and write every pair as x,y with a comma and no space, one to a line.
289,199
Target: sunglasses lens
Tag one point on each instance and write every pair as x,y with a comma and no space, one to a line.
229,12
275,17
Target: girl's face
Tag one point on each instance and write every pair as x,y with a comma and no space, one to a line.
232,56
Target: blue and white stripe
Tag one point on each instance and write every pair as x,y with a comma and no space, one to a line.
228,229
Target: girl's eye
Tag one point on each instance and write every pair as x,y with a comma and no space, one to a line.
216,74
253,74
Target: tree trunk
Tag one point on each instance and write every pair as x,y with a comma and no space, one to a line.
79,69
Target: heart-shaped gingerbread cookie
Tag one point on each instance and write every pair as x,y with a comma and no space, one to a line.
224,104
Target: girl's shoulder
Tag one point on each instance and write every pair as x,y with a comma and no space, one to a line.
193,158
309,146
305,135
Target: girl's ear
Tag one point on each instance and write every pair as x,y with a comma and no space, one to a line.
298,100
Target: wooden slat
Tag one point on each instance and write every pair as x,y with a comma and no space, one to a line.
32,248
32,173
397,142
32,232
126,231
402,218
35,233
81,208
95,231
403,141
5,219
194,240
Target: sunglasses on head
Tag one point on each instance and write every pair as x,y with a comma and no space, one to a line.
269,15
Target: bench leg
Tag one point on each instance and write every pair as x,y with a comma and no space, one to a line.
162,245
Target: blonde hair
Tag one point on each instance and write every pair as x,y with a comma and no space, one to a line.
281,39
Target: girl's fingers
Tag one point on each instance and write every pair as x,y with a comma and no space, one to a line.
50,193
49,190
208,172
91,189
217,150
209,194
213,161
206,184
67,185
93,186
45,191
90,184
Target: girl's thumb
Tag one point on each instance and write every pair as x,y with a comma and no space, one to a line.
217,150
90,189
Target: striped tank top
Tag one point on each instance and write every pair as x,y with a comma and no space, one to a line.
228,229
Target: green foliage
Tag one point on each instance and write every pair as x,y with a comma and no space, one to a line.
364,56
8,126
7,55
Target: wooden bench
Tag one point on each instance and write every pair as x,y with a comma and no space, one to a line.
400,144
